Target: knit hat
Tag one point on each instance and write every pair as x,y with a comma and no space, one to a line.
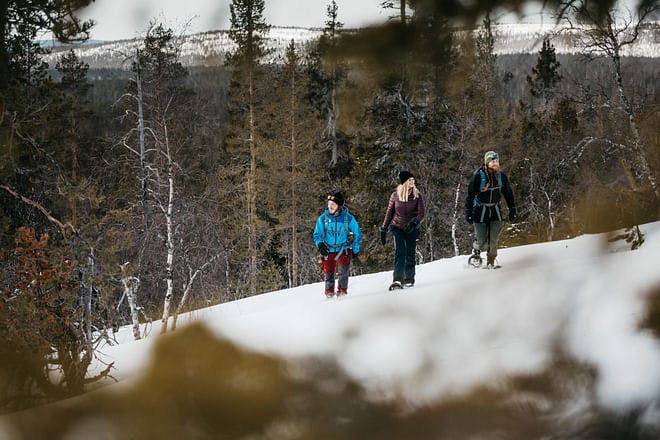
337,197
490,155
405,175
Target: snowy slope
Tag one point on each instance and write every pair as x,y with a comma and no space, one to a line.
210,48
460,328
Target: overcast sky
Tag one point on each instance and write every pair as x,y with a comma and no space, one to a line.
117,19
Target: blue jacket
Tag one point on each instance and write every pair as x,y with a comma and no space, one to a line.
334,231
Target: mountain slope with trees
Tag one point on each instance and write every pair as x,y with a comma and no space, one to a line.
129,196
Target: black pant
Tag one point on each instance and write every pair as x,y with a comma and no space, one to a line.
405,257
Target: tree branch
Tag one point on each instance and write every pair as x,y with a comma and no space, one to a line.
63,227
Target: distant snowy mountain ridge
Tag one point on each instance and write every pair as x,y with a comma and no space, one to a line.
210,48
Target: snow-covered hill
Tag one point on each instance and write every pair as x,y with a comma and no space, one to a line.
210,48
559,336
585,295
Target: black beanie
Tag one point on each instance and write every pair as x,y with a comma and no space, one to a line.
337,197
405,175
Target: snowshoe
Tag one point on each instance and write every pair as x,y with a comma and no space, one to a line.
396,285
341,293
329,293
475,259
409,283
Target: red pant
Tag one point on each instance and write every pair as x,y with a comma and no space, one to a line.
328,265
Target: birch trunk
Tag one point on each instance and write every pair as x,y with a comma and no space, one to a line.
551,218
294,236
131,285
88,300
143,172
642,165
187,289
170,235
455,221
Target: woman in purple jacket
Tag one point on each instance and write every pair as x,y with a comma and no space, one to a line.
405,211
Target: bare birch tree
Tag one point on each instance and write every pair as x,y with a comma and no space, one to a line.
606,33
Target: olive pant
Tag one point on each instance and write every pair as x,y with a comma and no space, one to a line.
486,236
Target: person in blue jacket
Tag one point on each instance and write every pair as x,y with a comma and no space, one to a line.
338,237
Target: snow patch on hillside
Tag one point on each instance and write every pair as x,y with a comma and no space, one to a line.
461,328
210,48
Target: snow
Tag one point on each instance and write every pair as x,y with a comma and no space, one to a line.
460,328
210,48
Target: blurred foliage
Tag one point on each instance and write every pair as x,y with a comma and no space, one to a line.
652,319
199,386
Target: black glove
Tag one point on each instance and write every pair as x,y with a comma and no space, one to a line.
468,219
383,236
512,215
412,226
355,257
323,249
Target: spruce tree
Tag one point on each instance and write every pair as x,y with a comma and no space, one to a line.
327,73
30,17
74,87
248,31
545,74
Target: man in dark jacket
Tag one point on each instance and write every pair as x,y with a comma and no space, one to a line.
482,205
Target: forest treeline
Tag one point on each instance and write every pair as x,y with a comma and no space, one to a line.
140,194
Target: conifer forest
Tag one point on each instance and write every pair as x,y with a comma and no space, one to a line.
133,195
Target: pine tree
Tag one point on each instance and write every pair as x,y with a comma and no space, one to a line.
545,74
248,30
74,87
30,17
327,73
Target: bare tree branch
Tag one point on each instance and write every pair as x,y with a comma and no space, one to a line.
63,227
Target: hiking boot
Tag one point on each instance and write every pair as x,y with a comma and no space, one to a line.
409,283
341,292
329,293
490,261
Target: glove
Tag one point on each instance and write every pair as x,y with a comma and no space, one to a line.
412,226
468,219
512,215
323,249
355,257
383,236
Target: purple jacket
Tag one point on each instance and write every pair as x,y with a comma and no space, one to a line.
400,213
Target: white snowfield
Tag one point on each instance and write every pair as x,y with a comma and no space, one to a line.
460,328
210,48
